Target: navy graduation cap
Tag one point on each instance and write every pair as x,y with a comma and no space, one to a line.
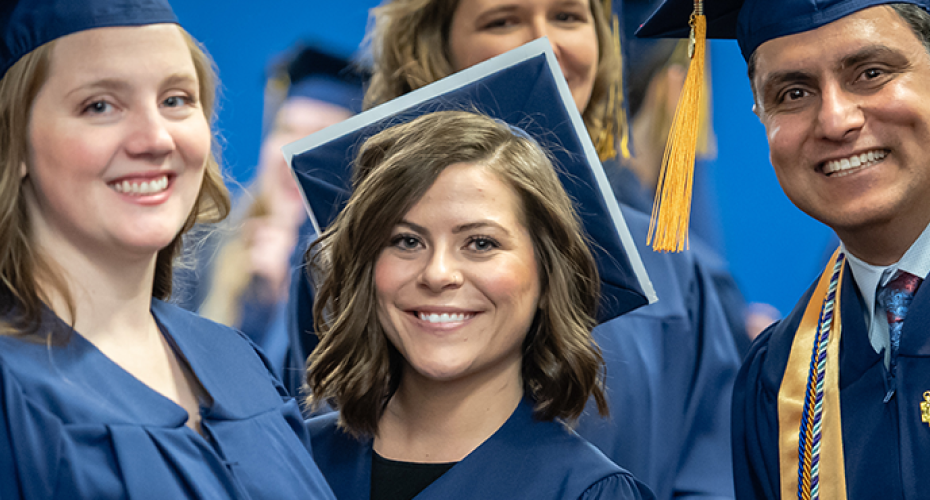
754,22
27,24
525,88
318,74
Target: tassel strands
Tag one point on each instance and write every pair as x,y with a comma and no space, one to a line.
671,211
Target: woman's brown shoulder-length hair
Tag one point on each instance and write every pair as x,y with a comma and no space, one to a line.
355,367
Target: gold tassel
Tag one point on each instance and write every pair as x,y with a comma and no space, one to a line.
671,211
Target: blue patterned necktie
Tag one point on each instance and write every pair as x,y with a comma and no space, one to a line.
895,297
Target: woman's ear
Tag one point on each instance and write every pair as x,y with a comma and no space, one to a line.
23,171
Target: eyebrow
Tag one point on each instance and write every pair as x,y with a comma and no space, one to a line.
495,10
112,84
869,53
471,226
180,79
118,85
508,8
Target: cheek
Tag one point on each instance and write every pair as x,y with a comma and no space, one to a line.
63,151
905,106
587,52
469,49
512,282
476,51
784,139
389,277
194,142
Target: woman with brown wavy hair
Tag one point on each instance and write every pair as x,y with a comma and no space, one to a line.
106,160
670,365
456,301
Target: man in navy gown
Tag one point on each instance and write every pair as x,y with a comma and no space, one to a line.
834,401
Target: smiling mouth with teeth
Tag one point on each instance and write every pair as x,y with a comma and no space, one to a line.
846,166
141,188
444,317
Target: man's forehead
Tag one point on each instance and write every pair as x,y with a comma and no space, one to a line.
875,31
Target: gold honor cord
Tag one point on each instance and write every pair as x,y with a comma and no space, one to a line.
671,210
824,478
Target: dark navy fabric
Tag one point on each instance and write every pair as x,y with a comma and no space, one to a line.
630,192
754,22
525,458
885,444
670,369
27,24
73,424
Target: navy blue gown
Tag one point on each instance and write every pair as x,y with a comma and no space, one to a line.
73,424
525,458
886,447
670,369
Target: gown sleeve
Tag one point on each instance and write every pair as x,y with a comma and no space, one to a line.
29,444
705,470
755,427
618,487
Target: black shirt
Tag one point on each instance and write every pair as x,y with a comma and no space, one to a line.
393,480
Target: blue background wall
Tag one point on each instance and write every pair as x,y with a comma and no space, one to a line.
775,251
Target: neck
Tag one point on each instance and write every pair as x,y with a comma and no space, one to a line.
440,421
883,244
111,299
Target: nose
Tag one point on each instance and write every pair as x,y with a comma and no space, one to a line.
148,134
539,27
441,271
840,115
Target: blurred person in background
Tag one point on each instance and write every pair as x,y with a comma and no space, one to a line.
249,270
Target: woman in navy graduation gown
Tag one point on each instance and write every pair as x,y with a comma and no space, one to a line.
456,303
106,391
670,365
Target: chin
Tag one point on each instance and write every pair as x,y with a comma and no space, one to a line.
440,373
150,242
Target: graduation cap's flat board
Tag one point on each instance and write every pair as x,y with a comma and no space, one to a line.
523,87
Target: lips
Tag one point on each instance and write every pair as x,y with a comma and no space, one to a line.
440,318
141,186
854,163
